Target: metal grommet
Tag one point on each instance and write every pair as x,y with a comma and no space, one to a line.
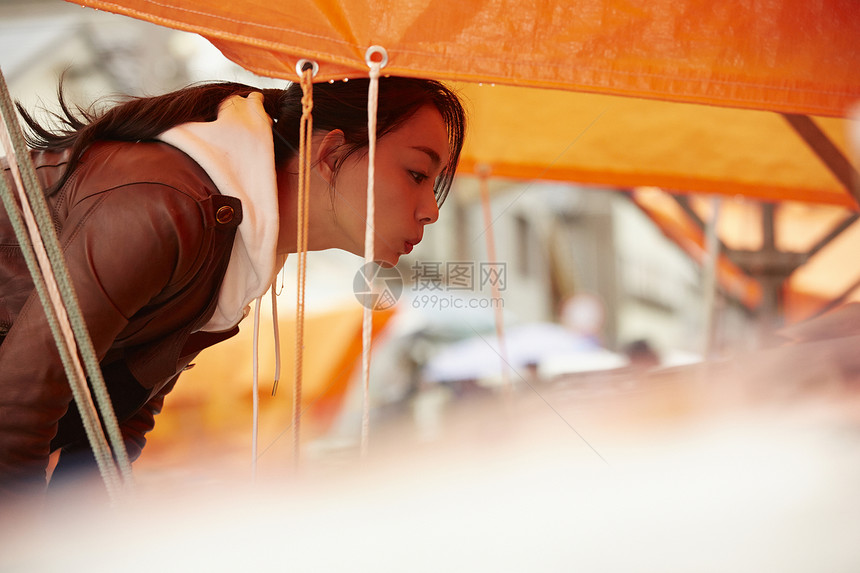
224,214
300,67
373,51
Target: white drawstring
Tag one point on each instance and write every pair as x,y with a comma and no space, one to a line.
255,425
277,339
255,387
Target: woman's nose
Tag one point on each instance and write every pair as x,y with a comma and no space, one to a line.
428,210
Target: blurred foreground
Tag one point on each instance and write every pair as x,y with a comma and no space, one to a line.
743,465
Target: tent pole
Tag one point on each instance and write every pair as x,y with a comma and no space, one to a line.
771,280
709,281
483,178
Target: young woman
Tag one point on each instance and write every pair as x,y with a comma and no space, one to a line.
175,212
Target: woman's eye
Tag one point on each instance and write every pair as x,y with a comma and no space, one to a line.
418,177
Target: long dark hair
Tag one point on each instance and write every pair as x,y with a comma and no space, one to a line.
338,105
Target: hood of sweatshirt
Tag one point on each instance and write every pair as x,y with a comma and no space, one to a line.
237,152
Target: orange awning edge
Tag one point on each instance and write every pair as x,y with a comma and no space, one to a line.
680,184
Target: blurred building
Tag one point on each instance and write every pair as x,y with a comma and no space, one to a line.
559,241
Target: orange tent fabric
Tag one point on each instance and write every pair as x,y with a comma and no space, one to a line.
789,56
630,142
703,80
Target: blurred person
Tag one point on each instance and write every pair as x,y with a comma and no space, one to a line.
174,212
641,354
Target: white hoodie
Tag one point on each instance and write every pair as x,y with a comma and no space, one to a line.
237,152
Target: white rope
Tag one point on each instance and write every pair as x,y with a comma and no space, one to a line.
367,318
306,71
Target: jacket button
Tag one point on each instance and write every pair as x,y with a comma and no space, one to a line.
224,214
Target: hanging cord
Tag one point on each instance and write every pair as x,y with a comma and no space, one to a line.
277,330
276,292
483,172
367,318
62,310
281,275
306,71
255,387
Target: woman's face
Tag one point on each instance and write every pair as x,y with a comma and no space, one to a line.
408,161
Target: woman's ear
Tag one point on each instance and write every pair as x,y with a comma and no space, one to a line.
329,152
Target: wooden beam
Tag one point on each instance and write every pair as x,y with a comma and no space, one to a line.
684,202
827,151
838,301
834,232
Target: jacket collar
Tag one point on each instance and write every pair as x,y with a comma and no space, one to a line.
237,152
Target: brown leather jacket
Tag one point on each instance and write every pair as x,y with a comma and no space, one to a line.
147,238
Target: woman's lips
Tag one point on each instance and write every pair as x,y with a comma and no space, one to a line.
407,247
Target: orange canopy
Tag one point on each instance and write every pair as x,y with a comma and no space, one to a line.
630,142
790,56
746,60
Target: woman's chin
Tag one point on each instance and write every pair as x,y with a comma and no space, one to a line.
386,257
383,258
388,262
